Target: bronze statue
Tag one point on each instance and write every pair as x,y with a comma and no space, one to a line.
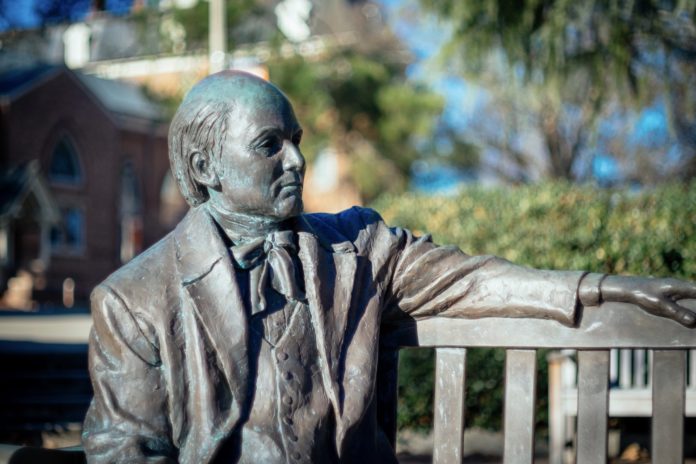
250,333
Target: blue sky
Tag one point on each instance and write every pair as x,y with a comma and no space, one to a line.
22,14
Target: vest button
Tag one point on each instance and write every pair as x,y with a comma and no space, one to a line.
287,420
287,375
293,438
296,456
287,400
281,356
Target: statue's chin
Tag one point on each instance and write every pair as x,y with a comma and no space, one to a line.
289,207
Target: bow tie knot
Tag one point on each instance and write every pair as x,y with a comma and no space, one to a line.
248,255
273,253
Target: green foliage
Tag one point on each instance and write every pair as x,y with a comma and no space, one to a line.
362,105
195,22
406,112
416,377
314,109
555,226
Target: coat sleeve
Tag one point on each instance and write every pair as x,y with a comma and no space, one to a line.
425,280
126,421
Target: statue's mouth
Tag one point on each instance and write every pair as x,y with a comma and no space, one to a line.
291,182
290,189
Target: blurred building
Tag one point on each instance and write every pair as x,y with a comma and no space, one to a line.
83,155
84,184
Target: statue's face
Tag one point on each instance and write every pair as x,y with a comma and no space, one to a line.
261,170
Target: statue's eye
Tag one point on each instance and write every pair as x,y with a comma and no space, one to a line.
297,138
270,145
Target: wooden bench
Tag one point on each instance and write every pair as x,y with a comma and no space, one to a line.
611,326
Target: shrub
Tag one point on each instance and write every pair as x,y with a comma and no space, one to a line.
553,226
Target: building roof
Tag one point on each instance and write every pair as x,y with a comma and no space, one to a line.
121,97
13,80
118,97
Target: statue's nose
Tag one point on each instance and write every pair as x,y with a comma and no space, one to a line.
293,159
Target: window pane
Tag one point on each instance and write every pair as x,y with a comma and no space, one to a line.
65,166
73,227
69,235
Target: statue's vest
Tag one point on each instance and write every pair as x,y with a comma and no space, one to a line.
291,419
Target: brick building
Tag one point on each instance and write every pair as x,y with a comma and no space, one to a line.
84,182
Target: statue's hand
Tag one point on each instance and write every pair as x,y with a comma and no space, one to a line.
656,296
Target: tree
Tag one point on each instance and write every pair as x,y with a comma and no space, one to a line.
363,105
569,61
678,40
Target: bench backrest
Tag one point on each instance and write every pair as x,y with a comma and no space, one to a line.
601,329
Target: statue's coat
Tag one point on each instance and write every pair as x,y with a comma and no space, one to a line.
169,348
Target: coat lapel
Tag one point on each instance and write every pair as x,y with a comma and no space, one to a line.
207,275
329,265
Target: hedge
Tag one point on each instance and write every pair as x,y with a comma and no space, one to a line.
551,226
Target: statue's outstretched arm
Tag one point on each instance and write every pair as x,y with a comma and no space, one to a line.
427,280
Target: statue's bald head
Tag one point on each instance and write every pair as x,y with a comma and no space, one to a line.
203,118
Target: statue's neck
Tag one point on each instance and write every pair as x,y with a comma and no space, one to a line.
240,227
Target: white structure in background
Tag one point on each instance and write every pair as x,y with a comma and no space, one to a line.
293,19
182,4
325,174
217,36
76,45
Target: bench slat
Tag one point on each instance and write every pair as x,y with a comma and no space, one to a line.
614,367
625,376
593,383
639,369
669,384
450,371
520,396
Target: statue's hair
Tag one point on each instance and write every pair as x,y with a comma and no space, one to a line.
198,125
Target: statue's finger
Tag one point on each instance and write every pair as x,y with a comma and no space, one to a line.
680,314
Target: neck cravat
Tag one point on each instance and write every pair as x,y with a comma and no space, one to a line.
273,253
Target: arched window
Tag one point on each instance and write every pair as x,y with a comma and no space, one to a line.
65,164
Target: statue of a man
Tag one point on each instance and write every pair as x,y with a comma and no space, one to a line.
251,332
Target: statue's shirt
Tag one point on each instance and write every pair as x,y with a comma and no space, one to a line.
290,417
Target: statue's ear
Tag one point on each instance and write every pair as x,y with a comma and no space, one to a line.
202,169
